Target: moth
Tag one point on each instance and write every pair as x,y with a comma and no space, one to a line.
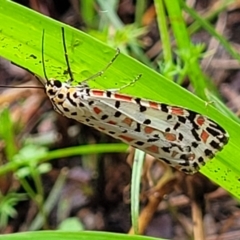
180,137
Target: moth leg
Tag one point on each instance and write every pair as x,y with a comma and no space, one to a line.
100,73
126,85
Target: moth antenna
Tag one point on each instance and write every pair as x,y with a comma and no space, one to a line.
11,86
5,86
66,55
43,60
38,87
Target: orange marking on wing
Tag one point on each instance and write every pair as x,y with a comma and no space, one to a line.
98,92
97,110
148,129
204,136
177,111
126,138
122,97
153,149
111,122
170,136
154,105
101,129
191,156
174,153
127,121
200,120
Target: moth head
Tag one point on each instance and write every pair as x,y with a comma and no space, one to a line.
56,90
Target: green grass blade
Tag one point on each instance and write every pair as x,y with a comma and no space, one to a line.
60,153
135,187
63,235
209,28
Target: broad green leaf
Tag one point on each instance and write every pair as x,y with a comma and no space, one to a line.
21,42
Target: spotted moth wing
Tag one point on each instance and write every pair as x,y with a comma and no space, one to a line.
180,137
